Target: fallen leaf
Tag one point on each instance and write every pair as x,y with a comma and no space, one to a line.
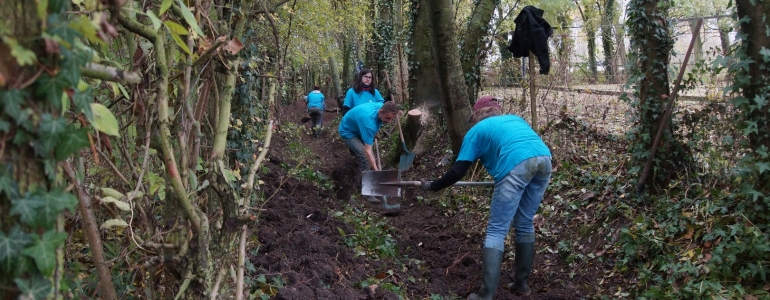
2,80
587,196
235,46
689,234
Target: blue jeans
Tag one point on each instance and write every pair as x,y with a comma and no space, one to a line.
357,148
515,200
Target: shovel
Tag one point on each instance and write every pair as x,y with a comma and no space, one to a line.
389,183
407,158
385,204
305,119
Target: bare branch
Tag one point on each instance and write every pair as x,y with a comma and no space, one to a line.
92,234
108,73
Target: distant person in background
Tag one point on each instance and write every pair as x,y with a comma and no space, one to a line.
364,90
358,129
520,163
315,108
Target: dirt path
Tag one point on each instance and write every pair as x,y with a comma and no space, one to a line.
302,254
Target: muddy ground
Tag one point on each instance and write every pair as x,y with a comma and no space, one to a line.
302,255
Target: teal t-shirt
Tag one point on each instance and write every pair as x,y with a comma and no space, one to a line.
361,122
353,99
316,99
501,143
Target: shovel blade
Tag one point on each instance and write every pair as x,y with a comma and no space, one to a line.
370,183
405,161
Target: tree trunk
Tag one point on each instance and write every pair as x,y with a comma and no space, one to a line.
421,69
651,46
620,54
756,44
335,74
591,43
563,48
608,17
383,41
697,52
447,63
473,46
347,68
724,39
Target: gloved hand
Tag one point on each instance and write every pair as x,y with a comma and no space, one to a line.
425,185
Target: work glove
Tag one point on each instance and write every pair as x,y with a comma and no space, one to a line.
425,185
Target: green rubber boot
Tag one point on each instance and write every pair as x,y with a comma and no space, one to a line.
491,260
525,257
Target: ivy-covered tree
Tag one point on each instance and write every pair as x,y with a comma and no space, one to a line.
651,46
47,114
752,81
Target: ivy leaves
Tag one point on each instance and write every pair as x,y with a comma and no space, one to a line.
43,250
12,243
36,210
39,209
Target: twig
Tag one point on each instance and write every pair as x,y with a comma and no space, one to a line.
92,233
454,263
241,262
261,157
217,281
130,198
112,166
186,283
206,55
107,73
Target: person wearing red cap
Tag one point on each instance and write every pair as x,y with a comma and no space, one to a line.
520,163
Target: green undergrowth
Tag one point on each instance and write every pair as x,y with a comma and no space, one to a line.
374,238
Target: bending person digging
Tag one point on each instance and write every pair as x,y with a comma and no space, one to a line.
520,163
358,129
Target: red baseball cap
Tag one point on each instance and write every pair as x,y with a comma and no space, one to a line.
486,101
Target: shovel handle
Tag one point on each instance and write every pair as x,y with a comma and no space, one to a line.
398,122
418,183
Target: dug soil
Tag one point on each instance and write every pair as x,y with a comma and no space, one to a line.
302,254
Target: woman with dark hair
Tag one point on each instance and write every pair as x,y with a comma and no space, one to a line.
364,90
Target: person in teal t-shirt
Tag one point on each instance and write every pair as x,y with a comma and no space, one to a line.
520,163
364,90
358,129
315,108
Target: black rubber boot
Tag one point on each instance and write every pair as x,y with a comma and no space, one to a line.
491,260
525,257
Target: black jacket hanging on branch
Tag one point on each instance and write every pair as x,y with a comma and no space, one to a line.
531,34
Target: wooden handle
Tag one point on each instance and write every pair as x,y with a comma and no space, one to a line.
418,183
